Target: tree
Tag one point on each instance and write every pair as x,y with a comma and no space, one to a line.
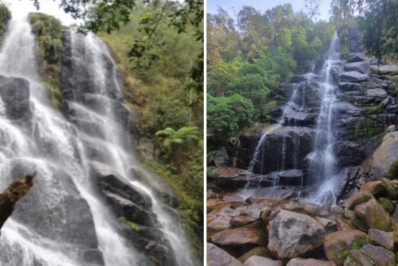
110,15
312,8
178,143
226,116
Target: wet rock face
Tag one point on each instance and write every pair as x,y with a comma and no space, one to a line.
15,95
293,234
285,149
132,205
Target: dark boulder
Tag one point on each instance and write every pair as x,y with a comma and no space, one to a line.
15,95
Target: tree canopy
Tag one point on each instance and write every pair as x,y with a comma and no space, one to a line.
252,56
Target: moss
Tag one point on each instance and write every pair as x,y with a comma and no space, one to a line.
393,171
372,109
366,128
49,33
386,204
360,241
133,225
5,16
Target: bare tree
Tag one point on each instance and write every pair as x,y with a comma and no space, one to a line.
312,8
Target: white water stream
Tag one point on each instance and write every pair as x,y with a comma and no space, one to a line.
62,221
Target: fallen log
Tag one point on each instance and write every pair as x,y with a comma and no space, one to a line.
12,194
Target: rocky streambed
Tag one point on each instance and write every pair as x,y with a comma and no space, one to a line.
281,229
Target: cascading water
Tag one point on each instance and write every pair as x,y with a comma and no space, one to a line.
62,221
295,115
323,160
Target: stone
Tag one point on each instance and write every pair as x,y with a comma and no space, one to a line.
386,204
15,95
241,220
356,57
353,77
361,67
338,242
218,257
361,197
309,262
221,157
240,236
376,93
261,261
222,222
376,188
326,223
344,224
384,69
266,214
382,238
384,156
348,86
377,255
293,234
373,215
257,251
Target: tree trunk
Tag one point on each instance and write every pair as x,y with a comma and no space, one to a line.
12,194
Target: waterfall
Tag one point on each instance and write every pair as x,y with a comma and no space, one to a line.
63,221
323,160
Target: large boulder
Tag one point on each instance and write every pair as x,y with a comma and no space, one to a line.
353,76
373,255
15,96
283,147
54,202
240,236
372,215
218,257
309,262
382,238
384,69
384,156
292,234
338,242
361,67
260,261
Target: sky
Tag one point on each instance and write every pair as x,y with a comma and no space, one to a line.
50,7
233,6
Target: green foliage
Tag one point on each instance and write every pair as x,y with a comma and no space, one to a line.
226,116
5,16
253,57
133,225
49,33
360,241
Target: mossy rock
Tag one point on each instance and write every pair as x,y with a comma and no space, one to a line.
386,204
391,192
5,16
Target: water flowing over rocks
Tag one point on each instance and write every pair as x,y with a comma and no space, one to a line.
336,142
92,202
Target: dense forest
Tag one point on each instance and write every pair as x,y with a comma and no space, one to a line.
158,48
249,60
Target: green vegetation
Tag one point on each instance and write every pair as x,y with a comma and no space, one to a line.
49,34
161,89
5,16
253,57
378,21
133,225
